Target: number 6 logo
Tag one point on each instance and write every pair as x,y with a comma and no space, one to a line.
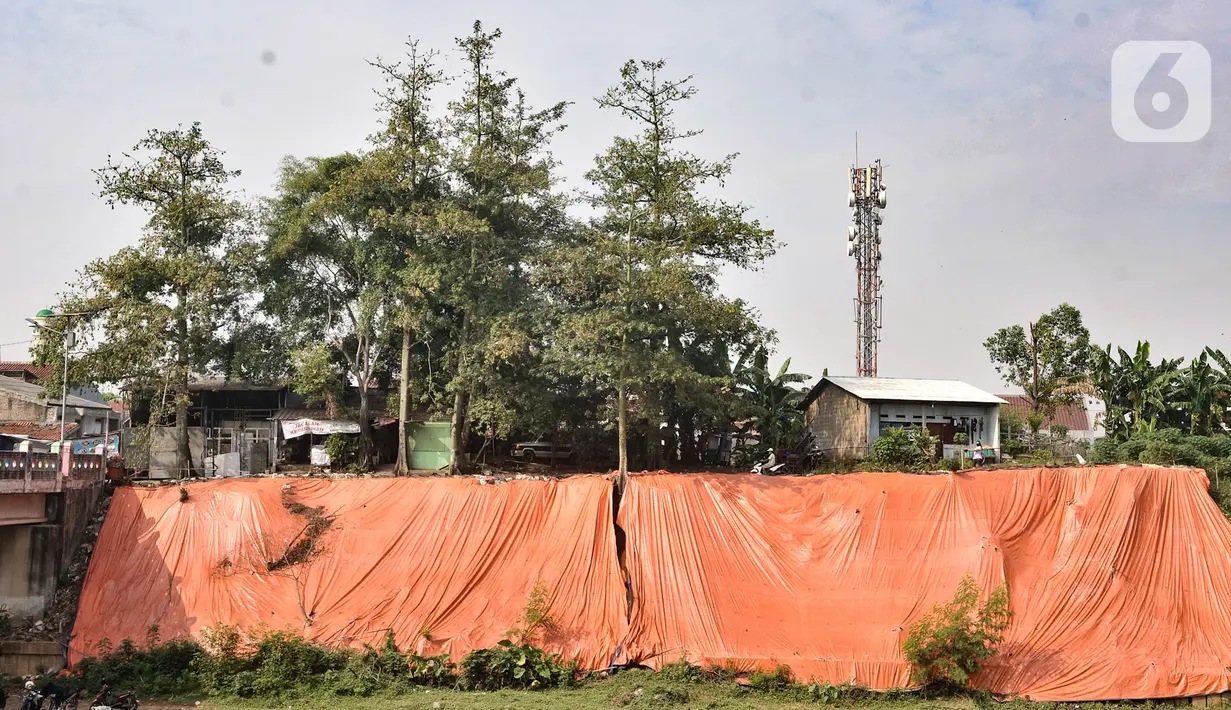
1161,92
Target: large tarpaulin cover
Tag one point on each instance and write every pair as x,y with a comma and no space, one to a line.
1119,577
447,564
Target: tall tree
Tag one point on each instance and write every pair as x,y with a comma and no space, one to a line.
1048,358
645,311
503,205
407,166
329,272
159,309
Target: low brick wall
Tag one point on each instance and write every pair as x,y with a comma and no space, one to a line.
21,658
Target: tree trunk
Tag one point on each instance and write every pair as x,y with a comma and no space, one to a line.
671,439
457,457
622,406
688,440
183,451
365,427
653,445
458,460
403,462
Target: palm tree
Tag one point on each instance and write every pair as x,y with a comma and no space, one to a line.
1201,392
771,398
1138,394
1221,415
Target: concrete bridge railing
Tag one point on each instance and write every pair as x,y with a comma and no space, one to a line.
29,472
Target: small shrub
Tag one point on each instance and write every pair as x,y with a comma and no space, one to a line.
954,463
949,642
828,694
387,668
343,450
159,670
508,665
961,438
903,449
1059,431
681,671
778,680
1013,447
535,616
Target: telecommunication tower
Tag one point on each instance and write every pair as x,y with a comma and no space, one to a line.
866,200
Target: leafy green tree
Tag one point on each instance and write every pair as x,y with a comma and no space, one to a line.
502,206
314,376
164,309
1048,359
646,321
330,274
407,168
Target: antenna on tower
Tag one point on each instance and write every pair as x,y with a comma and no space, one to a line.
866,199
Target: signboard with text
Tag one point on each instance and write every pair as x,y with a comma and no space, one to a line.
299,427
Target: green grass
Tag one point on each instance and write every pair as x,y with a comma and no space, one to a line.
630,689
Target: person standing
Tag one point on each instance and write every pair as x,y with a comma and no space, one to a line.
978,455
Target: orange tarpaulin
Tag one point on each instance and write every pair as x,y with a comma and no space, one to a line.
1119,577
447,564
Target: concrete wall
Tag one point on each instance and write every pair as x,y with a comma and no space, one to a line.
29,566
23,508
33,555
23,658
14,409
839,423
163,451
78,505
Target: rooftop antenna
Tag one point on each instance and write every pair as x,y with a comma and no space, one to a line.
866,199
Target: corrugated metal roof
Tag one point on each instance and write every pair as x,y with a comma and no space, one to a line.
32,392
1071,416
890,389
217,384
293,414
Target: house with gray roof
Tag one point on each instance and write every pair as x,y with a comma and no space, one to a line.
846,415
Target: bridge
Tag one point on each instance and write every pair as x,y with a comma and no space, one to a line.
45,505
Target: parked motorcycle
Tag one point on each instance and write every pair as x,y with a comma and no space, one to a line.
106,700
32,699
67,703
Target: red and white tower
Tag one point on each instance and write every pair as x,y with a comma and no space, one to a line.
866,200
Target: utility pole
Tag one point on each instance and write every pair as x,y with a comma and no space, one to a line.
68,341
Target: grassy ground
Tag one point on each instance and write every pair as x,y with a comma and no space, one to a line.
633,689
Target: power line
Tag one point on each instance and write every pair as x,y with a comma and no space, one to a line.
17,342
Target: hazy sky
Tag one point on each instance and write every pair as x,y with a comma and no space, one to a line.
1009,190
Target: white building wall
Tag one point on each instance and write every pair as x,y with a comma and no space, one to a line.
921,413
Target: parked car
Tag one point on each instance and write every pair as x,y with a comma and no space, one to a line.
541,449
